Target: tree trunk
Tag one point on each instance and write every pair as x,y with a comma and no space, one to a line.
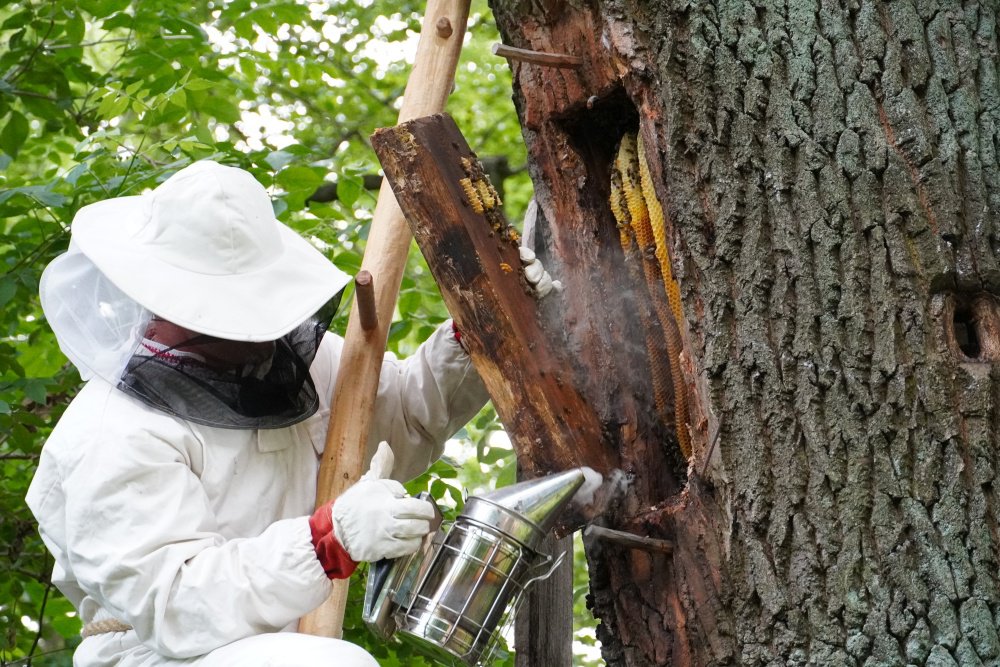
830,181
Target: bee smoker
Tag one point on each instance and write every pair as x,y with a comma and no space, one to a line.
452,598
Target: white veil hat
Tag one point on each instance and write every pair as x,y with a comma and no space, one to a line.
202,250
205,251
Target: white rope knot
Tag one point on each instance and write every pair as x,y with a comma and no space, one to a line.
104,627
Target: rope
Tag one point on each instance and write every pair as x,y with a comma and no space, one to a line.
104,627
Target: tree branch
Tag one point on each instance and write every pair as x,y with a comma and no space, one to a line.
18,457
31,93
38,47
41,617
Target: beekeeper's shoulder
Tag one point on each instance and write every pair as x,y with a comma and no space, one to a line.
101,421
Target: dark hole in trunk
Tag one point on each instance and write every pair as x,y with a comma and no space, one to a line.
965,331
594,131
975,327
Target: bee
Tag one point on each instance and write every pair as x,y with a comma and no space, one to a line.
484,190
472,195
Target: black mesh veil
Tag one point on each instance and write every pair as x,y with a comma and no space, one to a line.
261,385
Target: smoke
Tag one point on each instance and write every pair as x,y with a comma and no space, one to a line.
592,481
593,499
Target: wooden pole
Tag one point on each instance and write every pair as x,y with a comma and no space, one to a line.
351,408
543,627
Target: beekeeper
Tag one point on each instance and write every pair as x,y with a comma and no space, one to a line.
176,492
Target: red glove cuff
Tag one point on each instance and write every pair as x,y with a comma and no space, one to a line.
458,336
336,562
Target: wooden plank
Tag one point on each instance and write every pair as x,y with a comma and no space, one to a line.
473,254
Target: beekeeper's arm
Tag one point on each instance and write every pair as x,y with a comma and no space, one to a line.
144,542
422,400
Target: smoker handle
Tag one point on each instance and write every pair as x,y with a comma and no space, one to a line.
556,562
380,572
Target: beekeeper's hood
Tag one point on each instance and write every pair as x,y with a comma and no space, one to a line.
203,251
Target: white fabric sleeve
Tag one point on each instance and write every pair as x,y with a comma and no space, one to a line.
422,400
145,544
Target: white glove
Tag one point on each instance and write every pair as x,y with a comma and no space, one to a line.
375,519
536,275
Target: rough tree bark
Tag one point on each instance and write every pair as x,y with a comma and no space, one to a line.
830,177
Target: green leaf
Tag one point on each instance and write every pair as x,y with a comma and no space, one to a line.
199,84
494,454
399,329
75,28
14,134
507,476
19,18
7,290
35,390
248,68
101,8
349,188
299,178
113,104
244,29
66,625
438,489
204,135
179,98
120,20
40,193
218,107
279,159
280,206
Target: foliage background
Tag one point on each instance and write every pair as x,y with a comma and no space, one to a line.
103,98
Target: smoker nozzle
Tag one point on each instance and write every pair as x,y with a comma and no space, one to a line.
598,496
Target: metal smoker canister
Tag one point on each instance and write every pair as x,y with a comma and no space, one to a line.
451,599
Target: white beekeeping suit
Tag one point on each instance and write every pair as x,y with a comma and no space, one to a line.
176,493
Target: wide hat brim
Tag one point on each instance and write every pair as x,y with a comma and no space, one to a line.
259,305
